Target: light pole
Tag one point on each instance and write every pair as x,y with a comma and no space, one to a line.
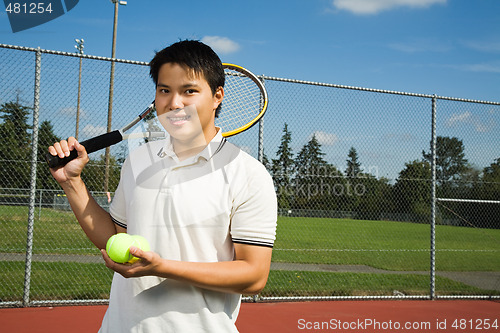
79,46
111,83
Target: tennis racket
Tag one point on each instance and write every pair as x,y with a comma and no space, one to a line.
245,102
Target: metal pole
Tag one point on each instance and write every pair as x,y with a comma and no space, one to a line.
31,211
261,140
433,202
78,100
110,101
79,47
261,136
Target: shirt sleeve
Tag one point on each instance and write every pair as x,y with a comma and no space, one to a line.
254,212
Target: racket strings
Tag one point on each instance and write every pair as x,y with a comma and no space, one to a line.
243,101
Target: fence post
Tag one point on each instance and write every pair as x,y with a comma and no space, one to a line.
34,150
260,156
261,140
433,203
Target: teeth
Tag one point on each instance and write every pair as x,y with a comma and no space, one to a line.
178,118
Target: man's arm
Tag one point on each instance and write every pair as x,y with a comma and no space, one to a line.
94,220
246,274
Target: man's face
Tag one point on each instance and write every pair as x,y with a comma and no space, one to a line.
185,104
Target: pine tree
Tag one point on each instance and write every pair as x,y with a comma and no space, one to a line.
353,169
15,147
282,170
15,119
311,169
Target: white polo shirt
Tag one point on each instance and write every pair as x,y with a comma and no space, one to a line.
192,210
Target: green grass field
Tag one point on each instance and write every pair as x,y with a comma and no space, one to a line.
304,283
401,249
393,246
55,232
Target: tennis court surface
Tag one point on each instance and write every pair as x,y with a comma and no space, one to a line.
326,316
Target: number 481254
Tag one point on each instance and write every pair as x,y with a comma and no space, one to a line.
475,324
31,8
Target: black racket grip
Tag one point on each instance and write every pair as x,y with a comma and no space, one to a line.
91,145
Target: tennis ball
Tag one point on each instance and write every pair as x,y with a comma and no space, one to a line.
118,247
141,243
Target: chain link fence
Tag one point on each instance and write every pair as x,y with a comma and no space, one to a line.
381,194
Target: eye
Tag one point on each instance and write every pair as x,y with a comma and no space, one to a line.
191,91
163,90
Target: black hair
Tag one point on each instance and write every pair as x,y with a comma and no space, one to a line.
194,55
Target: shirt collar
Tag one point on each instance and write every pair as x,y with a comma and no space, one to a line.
206,154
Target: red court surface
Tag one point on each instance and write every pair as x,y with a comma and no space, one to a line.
327,316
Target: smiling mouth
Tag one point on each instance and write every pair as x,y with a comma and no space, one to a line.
178,120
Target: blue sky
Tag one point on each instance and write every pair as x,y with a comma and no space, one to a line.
443,47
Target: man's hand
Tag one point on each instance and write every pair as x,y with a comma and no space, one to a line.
146,265
74,168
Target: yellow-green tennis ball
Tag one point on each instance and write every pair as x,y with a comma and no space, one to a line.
118,247
141,243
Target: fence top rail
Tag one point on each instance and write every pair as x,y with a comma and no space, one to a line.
76,55
263,77
271,78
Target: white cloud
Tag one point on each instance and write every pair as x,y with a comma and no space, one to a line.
370,7
91,130
458,118
483,46
325,139
70,111
468,118
222,45
484,67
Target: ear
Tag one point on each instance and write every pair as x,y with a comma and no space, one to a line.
218,97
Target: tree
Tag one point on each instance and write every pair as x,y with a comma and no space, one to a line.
46,138
373,196
450,159
266,162
16,114
353,166
310,167
94,174
310,157
282,170
489,214
351,199
479,185
413,188
491,181
14,145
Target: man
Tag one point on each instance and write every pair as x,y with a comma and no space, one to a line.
207,208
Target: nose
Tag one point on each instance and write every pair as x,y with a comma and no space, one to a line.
175,102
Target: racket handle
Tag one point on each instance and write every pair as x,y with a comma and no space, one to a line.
91,145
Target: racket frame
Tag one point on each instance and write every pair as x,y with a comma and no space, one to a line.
108,139
264,97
